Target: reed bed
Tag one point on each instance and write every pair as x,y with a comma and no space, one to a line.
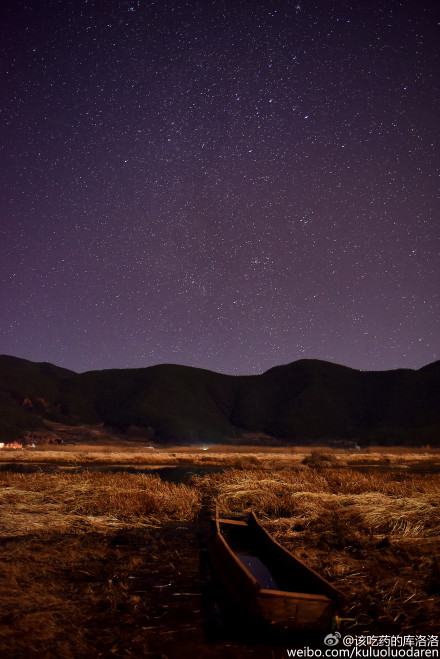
74,544
244,457
34,501
87,561
374,535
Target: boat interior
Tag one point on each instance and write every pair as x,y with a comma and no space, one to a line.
272,566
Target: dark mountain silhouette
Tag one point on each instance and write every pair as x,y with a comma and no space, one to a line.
307,399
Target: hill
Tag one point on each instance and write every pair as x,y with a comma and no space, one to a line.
307,399
25,389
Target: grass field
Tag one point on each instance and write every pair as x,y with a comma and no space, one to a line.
375,536
267,456
106,564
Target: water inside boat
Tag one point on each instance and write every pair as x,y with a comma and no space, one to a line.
240,540
259,570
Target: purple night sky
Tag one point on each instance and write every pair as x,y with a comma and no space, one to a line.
226,184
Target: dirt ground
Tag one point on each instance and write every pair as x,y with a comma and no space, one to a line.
125,593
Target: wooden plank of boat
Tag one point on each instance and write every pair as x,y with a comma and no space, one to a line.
268,582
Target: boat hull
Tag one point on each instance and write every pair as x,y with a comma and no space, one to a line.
281,606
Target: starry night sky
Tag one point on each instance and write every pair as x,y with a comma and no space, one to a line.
224,184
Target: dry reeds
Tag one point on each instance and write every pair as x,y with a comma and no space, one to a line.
75,543
83,559
89,594
240,457
121,496
375,535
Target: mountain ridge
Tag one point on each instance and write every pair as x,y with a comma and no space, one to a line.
305,399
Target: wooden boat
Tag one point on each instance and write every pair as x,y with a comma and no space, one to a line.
268,583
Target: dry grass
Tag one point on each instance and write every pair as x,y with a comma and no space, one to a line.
374,535
95,564
63,499
100,593
243,457
83,561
